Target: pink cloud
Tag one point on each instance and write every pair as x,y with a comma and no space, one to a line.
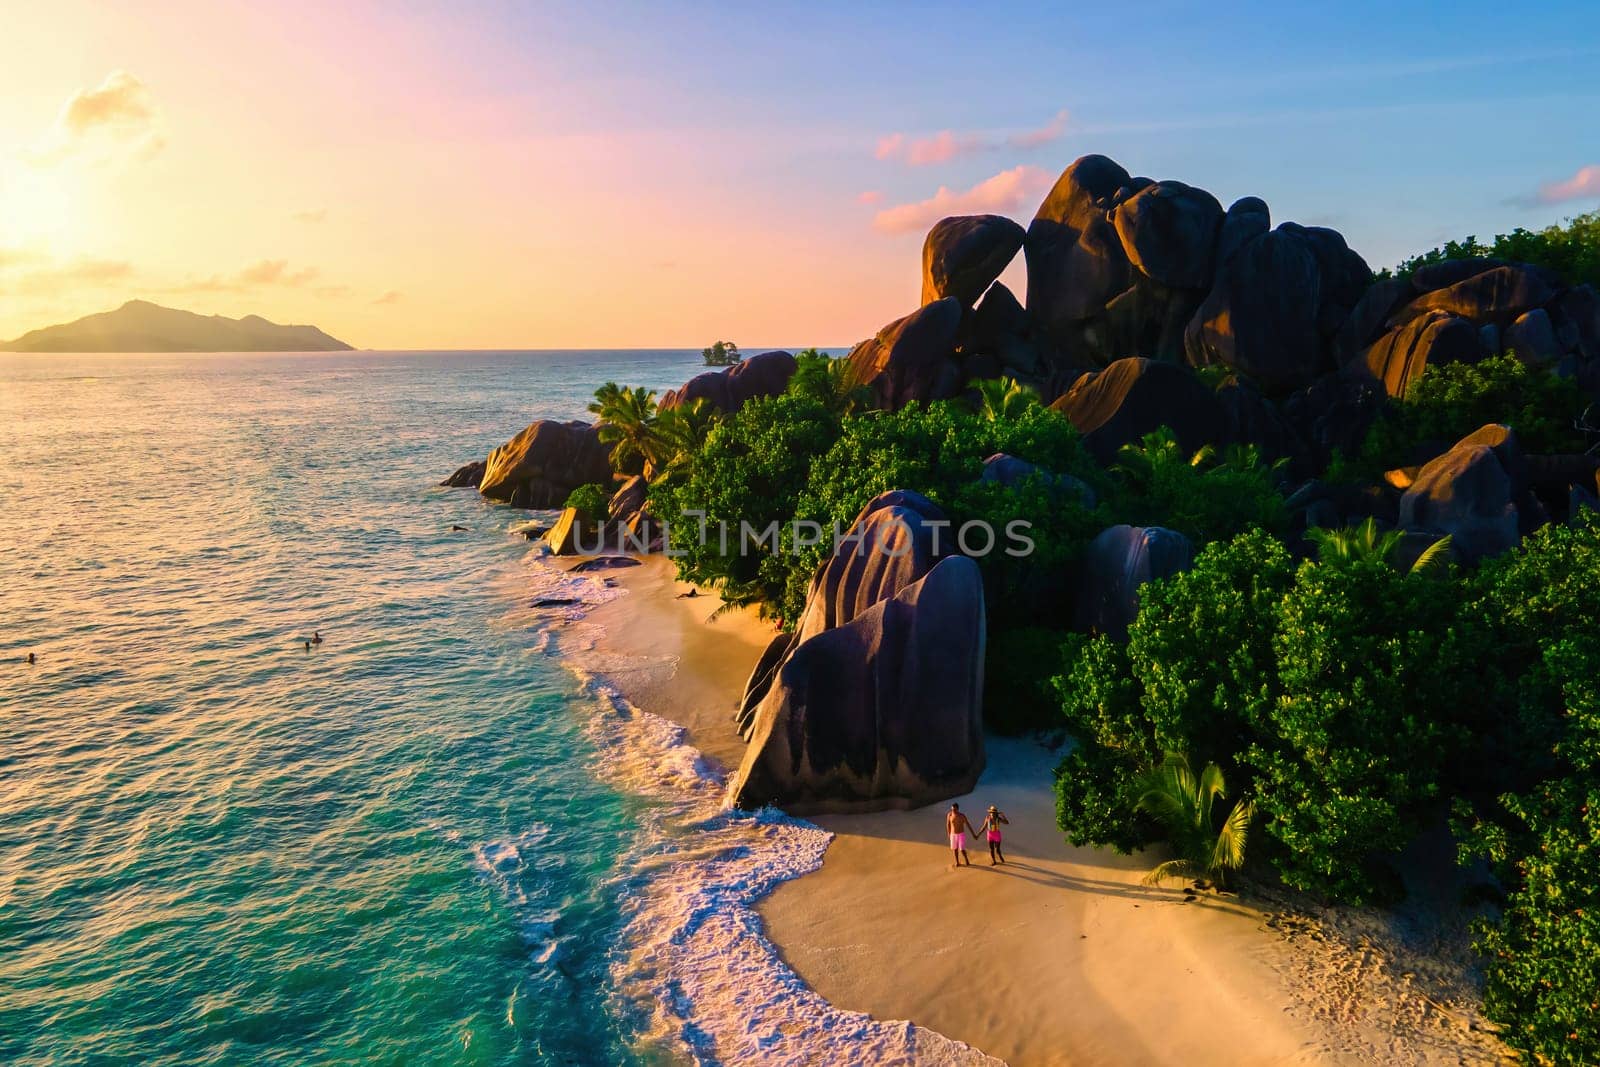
1050,131
870,196
1581,186
998,195
947,144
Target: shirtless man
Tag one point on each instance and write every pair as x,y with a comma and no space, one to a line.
958,827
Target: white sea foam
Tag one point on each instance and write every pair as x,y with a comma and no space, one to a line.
694,965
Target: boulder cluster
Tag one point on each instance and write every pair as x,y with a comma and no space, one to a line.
1148,305
1123,268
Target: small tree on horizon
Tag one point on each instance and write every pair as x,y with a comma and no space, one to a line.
721,354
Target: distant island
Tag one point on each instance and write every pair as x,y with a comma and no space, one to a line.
140,326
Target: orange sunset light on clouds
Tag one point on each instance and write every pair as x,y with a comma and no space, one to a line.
489,174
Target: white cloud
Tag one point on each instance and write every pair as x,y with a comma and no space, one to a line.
1001,194
116,119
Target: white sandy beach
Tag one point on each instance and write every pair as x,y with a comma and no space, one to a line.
1061,956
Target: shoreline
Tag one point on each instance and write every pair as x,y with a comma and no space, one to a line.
1062,956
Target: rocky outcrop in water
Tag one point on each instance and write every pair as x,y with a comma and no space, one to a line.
728,389
466,476
544,463
876,702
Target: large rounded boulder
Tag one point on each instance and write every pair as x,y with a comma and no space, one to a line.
1398,358
544,463
1115,565
895,540
1131,397
1275,306
912,358
1075,258
728,389
1169,233
884,711
964,254
1470,493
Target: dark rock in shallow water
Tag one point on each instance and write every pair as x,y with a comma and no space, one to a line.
542,465
730,388
1116,564
468,476
1132,397
884,711
557,602
963,254
604,563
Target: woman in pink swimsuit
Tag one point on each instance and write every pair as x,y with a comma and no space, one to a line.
991,831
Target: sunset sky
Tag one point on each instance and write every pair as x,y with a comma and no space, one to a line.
592,175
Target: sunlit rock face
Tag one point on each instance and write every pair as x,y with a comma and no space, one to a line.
877,701
542,465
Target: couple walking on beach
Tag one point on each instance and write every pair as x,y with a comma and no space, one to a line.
957,825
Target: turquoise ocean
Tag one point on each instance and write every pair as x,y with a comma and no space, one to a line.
425,841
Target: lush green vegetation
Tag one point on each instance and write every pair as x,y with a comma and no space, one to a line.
721,354
1451,400
1326,689
1571,250
592,500
1184,804
1542,956
1203,496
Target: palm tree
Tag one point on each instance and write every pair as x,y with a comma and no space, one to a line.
627,423
678,434
1157,451
833,383
721,354
1367,542
1171,793
1003,399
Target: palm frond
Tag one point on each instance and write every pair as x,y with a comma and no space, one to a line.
1179,868
1433,557
1228,854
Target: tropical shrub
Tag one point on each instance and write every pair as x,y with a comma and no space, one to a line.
831,382
1371,673
1451,400
627,423
1329,691
1542,979
592,500
938,449
751,469
1196,675
1182,802
1571,250
1201,495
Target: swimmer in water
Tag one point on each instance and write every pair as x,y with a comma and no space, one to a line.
316,637
308,646
30,659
